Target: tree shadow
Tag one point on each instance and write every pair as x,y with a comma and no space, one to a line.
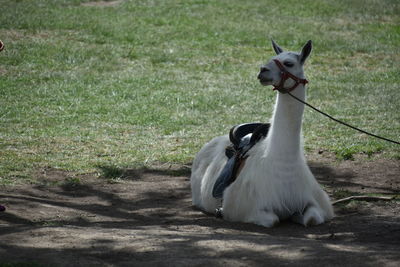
152,207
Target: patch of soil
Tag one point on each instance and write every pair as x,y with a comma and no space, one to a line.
102,3
147,219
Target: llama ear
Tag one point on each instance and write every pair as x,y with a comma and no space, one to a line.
276,47
305,52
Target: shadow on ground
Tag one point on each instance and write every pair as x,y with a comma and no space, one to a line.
144,216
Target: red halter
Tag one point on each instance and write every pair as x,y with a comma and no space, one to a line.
285,75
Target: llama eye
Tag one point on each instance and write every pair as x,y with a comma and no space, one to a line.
288,64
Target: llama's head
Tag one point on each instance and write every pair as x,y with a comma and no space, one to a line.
271,74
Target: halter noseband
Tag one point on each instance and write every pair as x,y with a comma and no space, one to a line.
285,75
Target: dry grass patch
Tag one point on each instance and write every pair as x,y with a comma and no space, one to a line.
102,3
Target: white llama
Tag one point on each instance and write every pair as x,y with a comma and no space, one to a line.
275,182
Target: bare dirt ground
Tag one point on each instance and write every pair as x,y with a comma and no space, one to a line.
146,219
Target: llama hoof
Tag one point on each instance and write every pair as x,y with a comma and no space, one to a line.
218,213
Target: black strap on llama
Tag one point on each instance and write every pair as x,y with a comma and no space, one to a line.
243,137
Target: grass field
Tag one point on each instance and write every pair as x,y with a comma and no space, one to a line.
137,83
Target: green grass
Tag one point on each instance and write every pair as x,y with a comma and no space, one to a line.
151,81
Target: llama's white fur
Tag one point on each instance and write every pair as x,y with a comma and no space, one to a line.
275,183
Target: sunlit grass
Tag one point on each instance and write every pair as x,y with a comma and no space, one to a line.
151,81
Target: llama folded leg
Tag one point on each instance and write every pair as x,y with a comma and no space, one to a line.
311,216
265,218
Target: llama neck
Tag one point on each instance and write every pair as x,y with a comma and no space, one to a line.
285,134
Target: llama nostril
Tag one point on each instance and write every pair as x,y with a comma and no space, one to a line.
262,71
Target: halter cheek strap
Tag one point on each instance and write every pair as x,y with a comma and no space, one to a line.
285,75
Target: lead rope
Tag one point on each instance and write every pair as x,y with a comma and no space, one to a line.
361,198
2,208
342,122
